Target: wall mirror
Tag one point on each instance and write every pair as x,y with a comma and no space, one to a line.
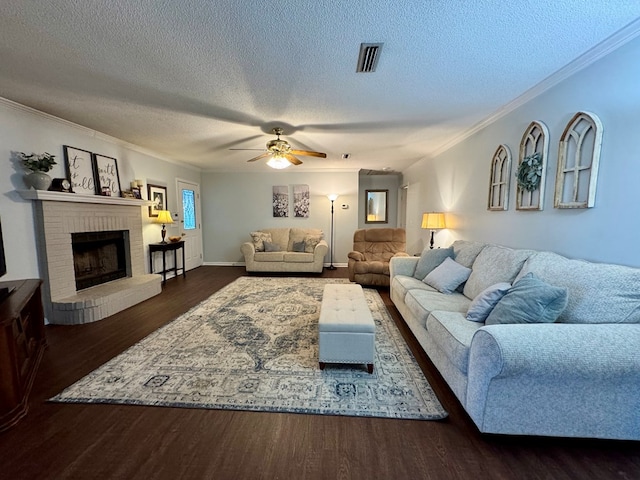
376,201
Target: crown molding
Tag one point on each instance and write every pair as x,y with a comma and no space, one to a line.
604,48
93,133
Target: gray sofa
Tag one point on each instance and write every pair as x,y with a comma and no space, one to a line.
292,250
576,377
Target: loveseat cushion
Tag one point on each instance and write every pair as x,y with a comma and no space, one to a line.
494,264
299,234
258,239
269,256
598,292
453,333
298,257
430,259
422,302
279,236
530,300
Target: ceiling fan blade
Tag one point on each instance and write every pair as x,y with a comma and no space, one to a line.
248,149
259,157
309,154
292,159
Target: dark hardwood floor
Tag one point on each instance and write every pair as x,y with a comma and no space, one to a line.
60,441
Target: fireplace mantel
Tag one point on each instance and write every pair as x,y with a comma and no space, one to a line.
74,197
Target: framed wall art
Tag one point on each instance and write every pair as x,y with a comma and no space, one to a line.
158,197
280,201
301,201
499,179
532,167
578,162
377,204
80,170
107,174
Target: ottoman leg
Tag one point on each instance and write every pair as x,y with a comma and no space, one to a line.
321,365
370,368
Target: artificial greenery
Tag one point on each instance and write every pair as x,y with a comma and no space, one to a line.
530,172
38,163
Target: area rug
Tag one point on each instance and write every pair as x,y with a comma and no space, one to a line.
253,345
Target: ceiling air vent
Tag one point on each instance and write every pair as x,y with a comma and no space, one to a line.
368,58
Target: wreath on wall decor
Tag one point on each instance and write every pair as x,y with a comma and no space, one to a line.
530,172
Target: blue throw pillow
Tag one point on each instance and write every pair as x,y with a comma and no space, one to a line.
430,259
530,300
447,276
484,303
271,247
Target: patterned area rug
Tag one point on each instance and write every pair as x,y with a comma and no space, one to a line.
254,346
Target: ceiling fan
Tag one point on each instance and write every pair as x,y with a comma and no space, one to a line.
282,155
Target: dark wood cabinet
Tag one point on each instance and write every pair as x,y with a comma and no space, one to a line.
22,344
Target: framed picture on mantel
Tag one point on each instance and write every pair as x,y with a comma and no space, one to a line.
80,170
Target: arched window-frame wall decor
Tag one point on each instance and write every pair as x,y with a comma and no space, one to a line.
532,167
578,161
499,180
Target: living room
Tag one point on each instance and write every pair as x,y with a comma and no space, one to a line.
454,179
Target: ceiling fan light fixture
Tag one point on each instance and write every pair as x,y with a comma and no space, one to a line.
278,162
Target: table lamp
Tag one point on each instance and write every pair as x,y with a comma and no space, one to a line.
433,221
164,217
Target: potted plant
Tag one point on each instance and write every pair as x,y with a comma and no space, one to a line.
39,166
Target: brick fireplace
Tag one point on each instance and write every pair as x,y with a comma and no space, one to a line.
62,216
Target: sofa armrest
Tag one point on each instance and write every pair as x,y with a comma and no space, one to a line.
248,249
357,256
402,266
556,379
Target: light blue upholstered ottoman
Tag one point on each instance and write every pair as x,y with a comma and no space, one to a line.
346,328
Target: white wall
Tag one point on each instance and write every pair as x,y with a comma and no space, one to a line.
456,181
26,130
235,204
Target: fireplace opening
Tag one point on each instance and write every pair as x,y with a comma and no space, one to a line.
100,257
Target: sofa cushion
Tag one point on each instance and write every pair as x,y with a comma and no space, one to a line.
279,235
258,239
465,251
271,247
598,293
447,276
422,302
430,259
297,257
453,334
402,284
494,264
299,234
269,256
483,304
530,300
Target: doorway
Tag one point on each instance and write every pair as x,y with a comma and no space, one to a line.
189,211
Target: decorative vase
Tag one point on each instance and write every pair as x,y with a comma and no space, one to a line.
39,180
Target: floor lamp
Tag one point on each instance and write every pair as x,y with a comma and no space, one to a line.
333,198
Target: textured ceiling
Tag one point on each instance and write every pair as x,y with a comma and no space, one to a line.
191,79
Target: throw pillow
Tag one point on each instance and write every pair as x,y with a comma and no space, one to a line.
271,247
530,300
310,242
483,304
430,259
298,246
447,276
258,239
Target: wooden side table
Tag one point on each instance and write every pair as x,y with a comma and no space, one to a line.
164,248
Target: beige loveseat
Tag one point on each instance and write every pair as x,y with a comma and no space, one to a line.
285,250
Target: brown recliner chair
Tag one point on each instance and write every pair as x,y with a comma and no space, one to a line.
372,250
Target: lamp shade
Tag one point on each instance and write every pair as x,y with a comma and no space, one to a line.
433,220
164,217
332,196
